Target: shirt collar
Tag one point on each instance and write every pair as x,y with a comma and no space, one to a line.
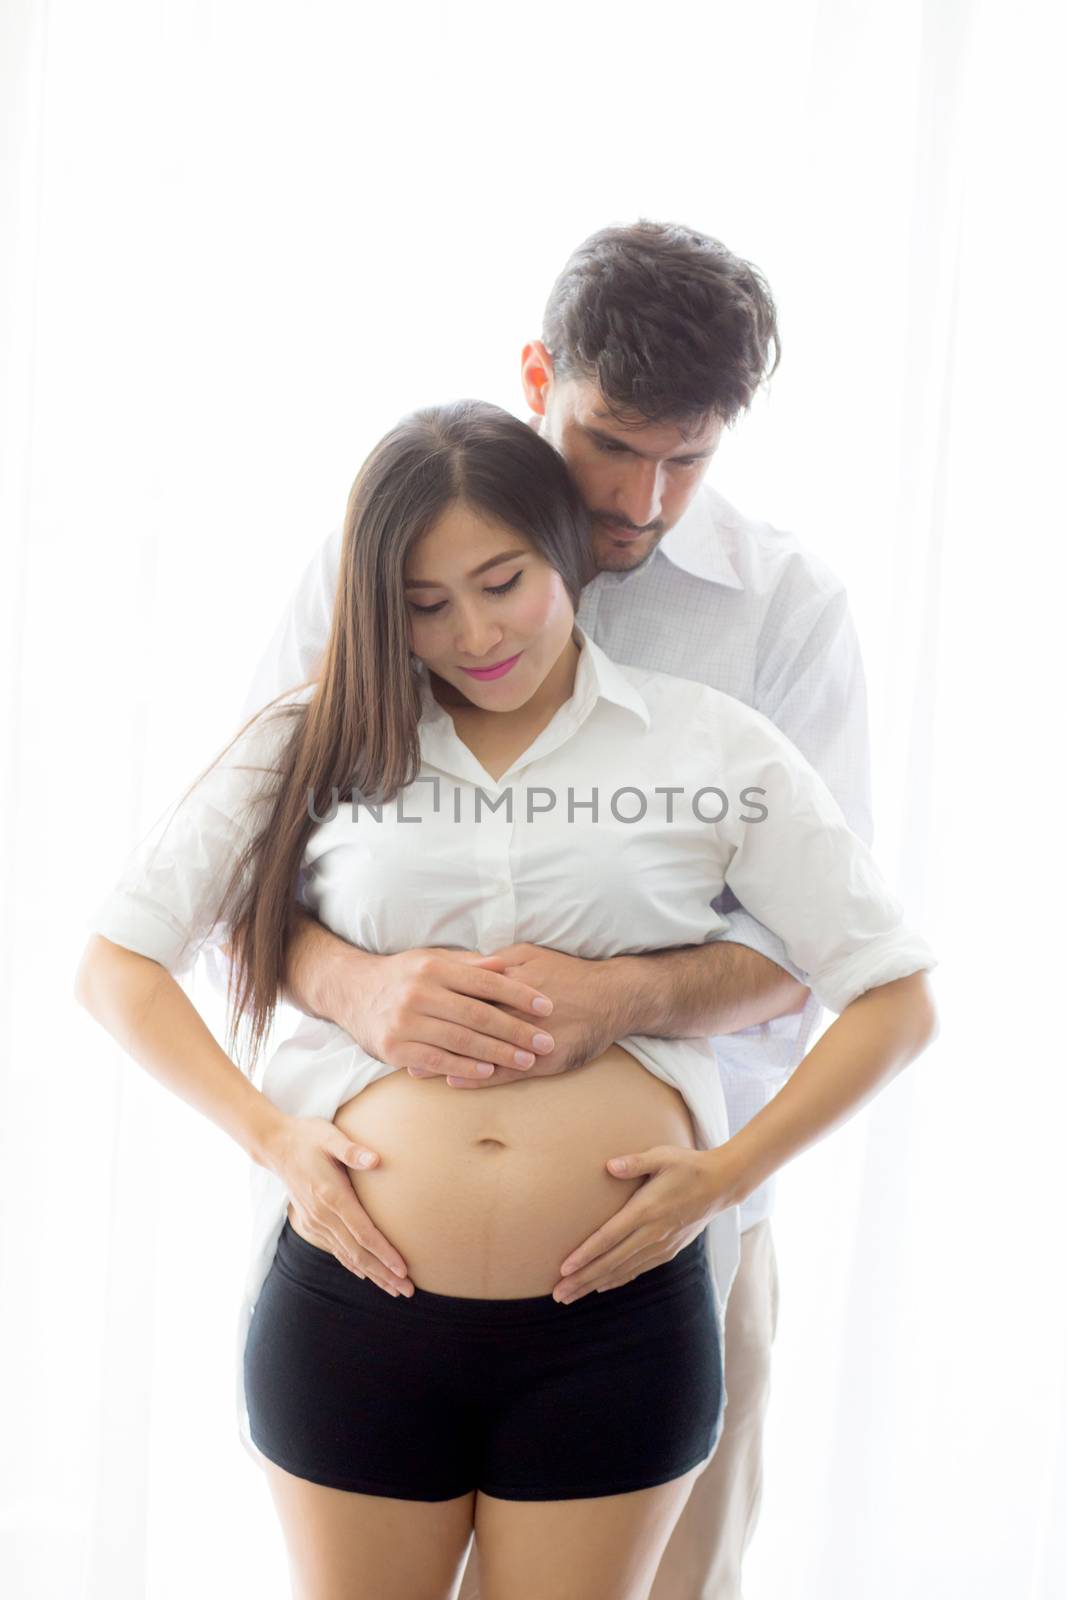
699,542
596,677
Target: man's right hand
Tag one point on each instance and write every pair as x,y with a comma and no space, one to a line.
436,1011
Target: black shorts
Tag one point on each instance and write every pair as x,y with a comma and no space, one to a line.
430,1397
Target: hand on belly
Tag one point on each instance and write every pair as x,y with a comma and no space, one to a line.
486,1194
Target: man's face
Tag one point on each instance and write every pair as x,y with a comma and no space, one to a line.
636,477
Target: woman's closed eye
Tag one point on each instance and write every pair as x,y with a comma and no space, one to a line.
501,588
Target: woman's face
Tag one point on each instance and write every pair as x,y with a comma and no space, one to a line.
478,593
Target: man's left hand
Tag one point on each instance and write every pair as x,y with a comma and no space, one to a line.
588,1009
683,1190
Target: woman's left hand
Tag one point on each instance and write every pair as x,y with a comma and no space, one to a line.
682,1191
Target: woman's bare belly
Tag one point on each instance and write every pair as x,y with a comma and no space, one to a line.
486,1191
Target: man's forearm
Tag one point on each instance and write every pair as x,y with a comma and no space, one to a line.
704,990
320,968
699,991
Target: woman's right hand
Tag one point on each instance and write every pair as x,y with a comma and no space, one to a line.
311,1157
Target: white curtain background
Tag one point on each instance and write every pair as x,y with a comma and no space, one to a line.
238,241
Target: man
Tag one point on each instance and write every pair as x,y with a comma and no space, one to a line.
655,338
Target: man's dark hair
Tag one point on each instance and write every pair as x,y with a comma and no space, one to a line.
667,322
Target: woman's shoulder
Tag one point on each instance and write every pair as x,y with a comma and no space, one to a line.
301,695
260,741
281,712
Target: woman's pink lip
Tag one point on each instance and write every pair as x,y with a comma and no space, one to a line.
492,672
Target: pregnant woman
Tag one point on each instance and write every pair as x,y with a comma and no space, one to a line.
470,770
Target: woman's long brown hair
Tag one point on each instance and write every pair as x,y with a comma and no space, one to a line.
358,730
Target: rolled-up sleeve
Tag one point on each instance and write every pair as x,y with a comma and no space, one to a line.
812,881
167,902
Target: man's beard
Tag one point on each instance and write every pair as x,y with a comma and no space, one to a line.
622,557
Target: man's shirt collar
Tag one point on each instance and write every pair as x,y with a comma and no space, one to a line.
698,543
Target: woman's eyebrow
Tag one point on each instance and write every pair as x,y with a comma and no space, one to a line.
429,583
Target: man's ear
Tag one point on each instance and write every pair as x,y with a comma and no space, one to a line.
536,375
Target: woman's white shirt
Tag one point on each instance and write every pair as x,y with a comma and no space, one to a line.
734,603
611,834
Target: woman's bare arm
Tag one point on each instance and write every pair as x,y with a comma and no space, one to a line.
149,1014
862,1050
873,1039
